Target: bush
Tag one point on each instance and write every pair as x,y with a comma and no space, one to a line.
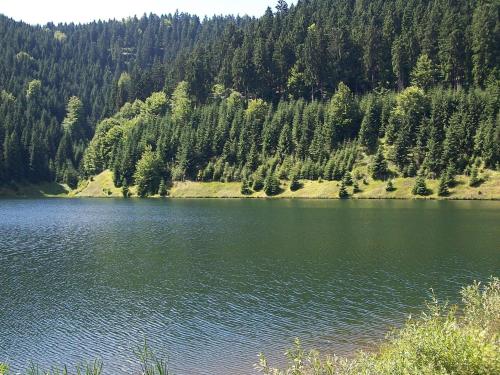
390,186
442,341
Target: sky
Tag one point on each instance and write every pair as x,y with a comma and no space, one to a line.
81,11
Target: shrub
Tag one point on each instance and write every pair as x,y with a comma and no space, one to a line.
442,341
390,186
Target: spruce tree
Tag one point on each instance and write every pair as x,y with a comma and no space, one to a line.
356,188
443,190
474,179
420,188
343,193
258,183
245,187
347,179
294,182
163,190
271,185
389,187
379,165
125,189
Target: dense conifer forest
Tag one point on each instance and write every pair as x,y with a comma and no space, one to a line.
299,93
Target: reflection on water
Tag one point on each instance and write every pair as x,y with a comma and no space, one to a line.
213,282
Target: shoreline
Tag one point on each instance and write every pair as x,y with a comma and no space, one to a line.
101,186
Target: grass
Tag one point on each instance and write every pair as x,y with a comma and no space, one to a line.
444,340
148,361
101,186
45,189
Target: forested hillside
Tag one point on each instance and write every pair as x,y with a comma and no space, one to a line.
299,93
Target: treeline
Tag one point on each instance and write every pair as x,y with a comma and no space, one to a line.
230,139
294,56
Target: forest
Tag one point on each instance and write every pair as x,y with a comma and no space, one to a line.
299,93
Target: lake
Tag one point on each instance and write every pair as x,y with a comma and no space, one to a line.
212,283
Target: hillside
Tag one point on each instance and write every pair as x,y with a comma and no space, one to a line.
300,92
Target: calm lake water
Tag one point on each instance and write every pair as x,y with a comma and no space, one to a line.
214,282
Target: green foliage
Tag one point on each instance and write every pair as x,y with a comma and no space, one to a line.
151,364
74,115
378,167
423,74
343,193
294,182
93,368
420,187
181,103
245,187
157,103
60,36
474,177
34,89
444,340
258,183
297,84
347,179
4,369
271,185
146,175
390,186
443,190
163,188
125,190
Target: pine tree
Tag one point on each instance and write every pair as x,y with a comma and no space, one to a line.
420,187
347,179
271,185
245,187
343,193
355,187
379,165
125,189
474,179
443,190
163,190
294,182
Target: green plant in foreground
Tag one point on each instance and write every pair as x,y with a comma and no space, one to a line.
92,368
4,369
444,340
151,364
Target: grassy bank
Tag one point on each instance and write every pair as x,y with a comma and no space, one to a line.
101,186
444,340
46,189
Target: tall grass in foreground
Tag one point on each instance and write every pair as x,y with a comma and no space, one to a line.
444,340
149,362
